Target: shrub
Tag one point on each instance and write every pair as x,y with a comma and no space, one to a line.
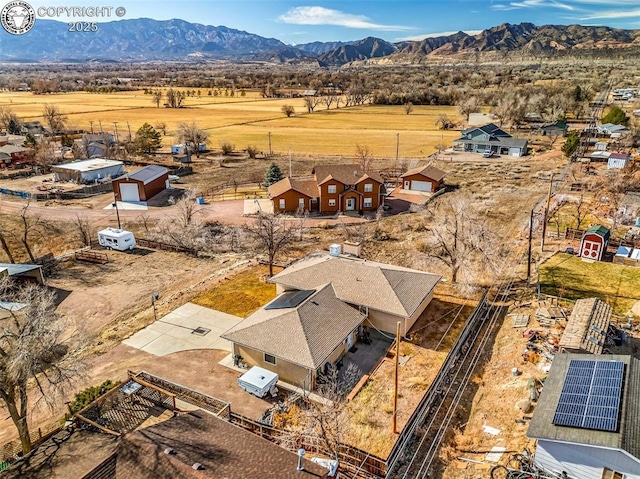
252,151
86,397
227,148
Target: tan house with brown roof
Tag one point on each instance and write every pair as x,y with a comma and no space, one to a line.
334,188
323,302
297,333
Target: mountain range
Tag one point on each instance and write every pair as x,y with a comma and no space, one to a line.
147,40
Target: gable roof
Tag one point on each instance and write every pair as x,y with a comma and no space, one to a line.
10,149
392,289
490,129
555,124
305,187
599,230
305,335
349,174
587,326
628,436
427,171
145,174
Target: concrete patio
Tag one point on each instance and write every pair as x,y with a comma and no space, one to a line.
188,327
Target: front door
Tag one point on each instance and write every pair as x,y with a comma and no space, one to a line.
406,185
351,204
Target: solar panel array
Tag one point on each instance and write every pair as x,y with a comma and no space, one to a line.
591,395
289,299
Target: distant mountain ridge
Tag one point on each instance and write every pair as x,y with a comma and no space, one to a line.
146,39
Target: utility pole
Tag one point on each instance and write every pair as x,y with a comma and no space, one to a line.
397,150
529,253
129,128
115,124
290,175
395,387
270,150
115,205
91,123
100,123
546,213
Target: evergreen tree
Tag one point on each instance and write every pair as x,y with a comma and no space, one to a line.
616,116
30,141
148,139
13,128
273,175
571,145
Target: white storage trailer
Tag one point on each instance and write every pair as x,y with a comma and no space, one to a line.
114,238
259,382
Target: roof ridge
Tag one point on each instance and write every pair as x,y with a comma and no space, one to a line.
395,294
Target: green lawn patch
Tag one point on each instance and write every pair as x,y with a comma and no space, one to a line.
569,277
240,295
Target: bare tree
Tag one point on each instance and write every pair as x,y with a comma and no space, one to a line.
4,243
467,105
460,237
82,227
156,97
34,347
580,211
443,122
31,224
186,209
273,235
329,99
45,155
54,118
364,156
192,136
408,108
174,98
7,118
288,110
310,102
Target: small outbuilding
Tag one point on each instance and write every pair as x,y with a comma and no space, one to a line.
423,179
142,184
618,161
594,242
554,128
23,272
88,171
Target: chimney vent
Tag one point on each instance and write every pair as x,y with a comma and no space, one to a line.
197,466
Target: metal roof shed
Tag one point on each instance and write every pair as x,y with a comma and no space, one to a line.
88,171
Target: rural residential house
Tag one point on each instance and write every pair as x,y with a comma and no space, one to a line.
423,179
12,155
88,171
142,184
554,128
594,242
587,327
333,189
490,138
322,303
587,420
610,129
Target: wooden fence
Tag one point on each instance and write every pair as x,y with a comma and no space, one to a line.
356,462
216,406
147,243
11,451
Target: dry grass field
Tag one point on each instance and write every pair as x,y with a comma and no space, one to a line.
248,120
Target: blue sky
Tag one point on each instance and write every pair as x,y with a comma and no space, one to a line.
306,21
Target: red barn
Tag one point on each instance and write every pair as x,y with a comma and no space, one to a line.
141,185
594,242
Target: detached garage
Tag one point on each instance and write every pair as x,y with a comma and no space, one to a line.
141,185
424,179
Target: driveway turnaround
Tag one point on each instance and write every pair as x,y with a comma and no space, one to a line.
188,327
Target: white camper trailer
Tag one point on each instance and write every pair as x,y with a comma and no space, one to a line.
259,382
119,240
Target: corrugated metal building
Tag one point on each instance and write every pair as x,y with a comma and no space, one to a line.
88,171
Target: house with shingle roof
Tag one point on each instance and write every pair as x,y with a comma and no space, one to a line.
323,302
492,138
333,189
423,179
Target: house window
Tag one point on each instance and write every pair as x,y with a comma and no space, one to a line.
331,188
300,202
332,202
268,358
609,474
368,202
368,187
281,203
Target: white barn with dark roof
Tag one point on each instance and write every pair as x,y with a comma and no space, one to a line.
142,184
587,421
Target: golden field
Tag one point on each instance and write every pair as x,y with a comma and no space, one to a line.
248,120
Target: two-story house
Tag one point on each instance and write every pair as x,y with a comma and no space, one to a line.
491,138
333,189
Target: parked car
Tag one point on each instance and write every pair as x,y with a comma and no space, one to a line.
488,154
